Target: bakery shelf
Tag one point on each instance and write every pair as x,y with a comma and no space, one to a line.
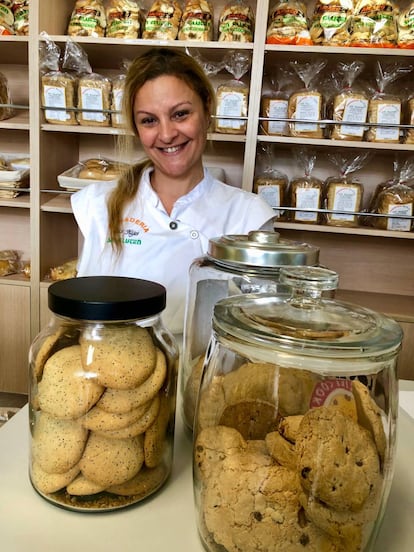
399,307
20,121
15,280
326,142
58,202
342,51
22,201
354,231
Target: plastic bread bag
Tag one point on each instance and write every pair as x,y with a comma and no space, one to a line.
6,107
270,183
118,86
197,21
87,19
331,22
374,24
236,22
9,262
288,24
394,197
409,118
124,19
20,10
163,20
307,103
405,26
274,101
232,96
305,191
344,193
385,108
349,103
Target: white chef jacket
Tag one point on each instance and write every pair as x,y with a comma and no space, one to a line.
158,246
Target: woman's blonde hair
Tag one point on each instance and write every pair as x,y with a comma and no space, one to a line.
154,63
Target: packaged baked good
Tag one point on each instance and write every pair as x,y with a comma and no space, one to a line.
349,104
307,103
405,26
232,96
6,109
236,22
270,183
306,191
94,100
6,19
9,262
20,10
409,134
163,20
274,102
87,19
384,108
288,24
99,168
118,84
344,193
64,271
374,24
59,97
331,22
123,19
395,201
197,21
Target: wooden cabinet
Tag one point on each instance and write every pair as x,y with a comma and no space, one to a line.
375,267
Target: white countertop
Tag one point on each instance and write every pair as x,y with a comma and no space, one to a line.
165,521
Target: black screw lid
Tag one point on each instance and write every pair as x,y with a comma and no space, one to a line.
106,298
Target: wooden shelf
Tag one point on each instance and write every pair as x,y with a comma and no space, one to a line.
357,231
399,307
326,142
22,201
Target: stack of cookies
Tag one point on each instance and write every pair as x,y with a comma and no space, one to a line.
287,460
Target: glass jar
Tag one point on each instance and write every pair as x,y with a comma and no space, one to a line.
102,395
234,264
294,434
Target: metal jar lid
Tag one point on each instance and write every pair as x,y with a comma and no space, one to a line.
106,298
261,249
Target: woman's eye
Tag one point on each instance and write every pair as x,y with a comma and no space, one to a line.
181,114
146,121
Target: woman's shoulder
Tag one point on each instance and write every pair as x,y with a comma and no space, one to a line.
95,192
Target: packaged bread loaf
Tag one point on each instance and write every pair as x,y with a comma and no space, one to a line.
21,17
272,187
236,22
288,24
394,201
307,103
163,20
123,19
405,26
349,104
274,111
6,110
305,191
59,93
331,22
99,169
197,21
118,84
87,19
374,24
409,136
94,100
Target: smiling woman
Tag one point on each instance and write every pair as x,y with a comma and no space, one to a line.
167,104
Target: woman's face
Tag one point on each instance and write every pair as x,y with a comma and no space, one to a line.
172,126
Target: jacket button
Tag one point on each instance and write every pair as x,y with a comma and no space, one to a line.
173,225
194,234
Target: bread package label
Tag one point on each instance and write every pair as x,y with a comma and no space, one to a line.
197,21
232,103
277,109
272,190
384,112
345,198
94,100
306,105
350,108
163,20
403,210
306,193
58,94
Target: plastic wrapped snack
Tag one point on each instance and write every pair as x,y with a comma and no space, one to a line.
270,183
163,20
6,19
197,21
6,111
288,24
64,271
21,17
87,19
9,262
306,191
331,22
94,100
236,23
123,19
374,24
405,24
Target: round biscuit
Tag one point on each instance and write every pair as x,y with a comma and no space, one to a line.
51,482
99,420
145,482
81,486
155,437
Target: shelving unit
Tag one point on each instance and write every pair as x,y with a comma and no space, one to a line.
375,267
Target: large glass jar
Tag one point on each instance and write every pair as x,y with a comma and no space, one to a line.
294,434
102,398
233,265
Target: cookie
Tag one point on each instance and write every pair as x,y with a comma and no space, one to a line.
191,391
99,420
146,481
295,391
337,460
39,358
253,418
155,437
288,427
213,445
111,461
66,390
81,486
211,403
57,445
335,392
51,482
122,357
138,427
370,416
281,450
250,507
120,401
